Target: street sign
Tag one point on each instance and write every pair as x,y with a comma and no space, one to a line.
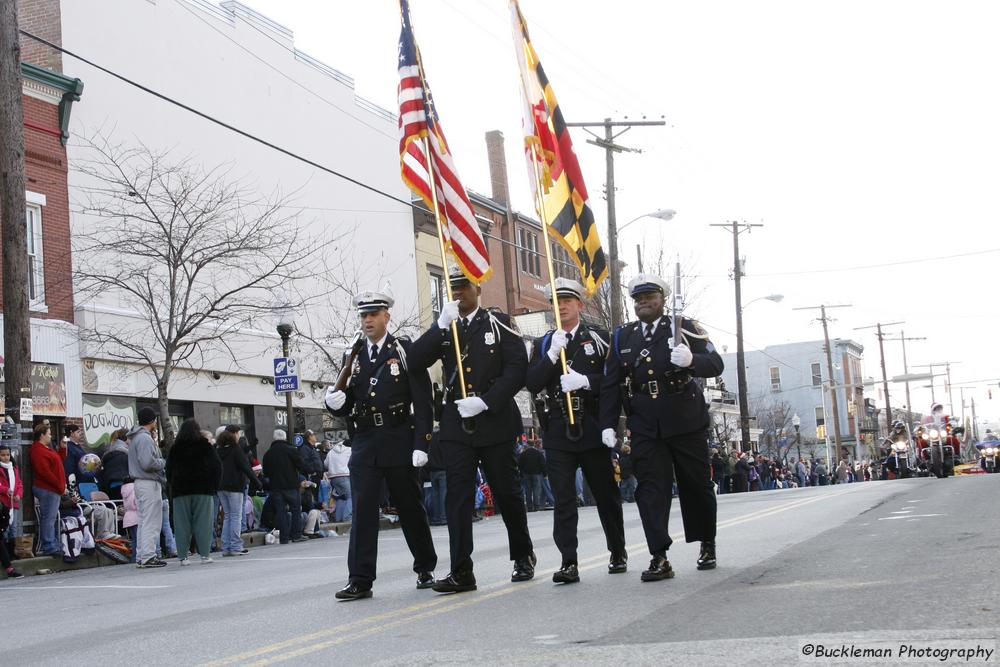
27,409
286,375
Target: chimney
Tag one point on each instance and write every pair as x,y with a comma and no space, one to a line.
498,167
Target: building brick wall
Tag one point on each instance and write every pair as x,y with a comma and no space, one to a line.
41,18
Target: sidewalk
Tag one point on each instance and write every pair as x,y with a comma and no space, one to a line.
93,558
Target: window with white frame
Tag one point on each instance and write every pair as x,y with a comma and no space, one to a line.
36,270
820,416
437,292
817,374
775,378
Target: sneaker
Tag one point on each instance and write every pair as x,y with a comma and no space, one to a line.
151,562
185,561
205,560
13,574
300,538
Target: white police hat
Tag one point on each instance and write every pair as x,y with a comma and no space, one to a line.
370,302
566,287
647,282
457,277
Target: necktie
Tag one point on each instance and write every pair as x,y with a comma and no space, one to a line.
569,338
649,332
374,352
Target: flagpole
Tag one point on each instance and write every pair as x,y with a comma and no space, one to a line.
540,205
432,179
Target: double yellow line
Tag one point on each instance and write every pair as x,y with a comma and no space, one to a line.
442,604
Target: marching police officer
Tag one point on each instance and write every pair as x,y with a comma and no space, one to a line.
650,371
579,446
390,443
478,429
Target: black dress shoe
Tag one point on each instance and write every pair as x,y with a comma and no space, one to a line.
567,574
353,591
659,568
425,580
706,560
524,568
618,564
456,582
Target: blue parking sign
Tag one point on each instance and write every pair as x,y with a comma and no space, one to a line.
286,374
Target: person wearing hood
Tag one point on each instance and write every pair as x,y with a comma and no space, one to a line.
340,479
145,467
114,465
236,474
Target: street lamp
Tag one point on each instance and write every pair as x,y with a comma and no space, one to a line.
284,320
613,273
774,298
797,422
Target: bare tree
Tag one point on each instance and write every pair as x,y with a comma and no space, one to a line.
194,253
774,418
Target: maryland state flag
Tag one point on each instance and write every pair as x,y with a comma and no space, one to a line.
550,155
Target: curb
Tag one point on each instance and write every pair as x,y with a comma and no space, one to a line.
42,565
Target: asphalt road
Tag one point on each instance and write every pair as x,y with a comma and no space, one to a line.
869,565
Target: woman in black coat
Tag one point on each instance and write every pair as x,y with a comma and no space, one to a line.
193,472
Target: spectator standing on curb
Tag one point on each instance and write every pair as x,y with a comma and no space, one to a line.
532,465
114,465
718,469
193,470
145,466
236,474
11,492
75,452
48,484
282,466
340,479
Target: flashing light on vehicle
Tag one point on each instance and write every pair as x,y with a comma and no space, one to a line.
935,434
923,436
899,446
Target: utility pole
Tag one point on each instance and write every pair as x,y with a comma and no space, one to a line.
947,372
16,322
906,371
829,370
607,142
885,380
737,228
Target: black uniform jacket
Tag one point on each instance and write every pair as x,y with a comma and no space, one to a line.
383,391
585,355
494,360
662,415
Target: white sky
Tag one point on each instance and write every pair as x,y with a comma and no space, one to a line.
859,133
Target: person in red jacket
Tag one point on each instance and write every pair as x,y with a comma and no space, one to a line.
11,492
48,483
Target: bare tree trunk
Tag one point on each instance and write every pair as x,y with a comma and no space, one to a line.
163,403
16,322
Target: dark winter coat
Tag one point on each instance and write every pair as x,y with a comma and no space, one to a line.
531,461
282,465
114,466
193,468
236,470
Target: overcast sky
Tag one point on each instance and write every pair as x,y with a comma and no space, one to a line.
861,134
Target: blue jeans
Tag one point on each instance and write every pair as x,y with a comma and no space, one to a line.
342,497
48,531
536,496
438,489
232,509
166,531
288,502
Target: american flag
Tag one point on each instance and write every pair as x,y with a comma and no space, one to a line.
418,119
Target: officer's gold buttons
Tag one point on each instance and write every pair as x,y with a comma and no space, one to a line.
373,396
649,360
650,371
468,369
373,407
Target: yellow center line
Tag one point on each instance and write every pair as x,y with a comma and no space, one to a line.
438,606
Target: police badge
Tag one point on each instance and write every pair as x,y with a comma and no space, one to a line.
489,338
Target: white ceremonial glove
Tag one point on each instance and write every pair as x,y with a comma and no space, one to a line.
608,437
470,407
573,381
419,458
680,355
335,399
557,343
449,313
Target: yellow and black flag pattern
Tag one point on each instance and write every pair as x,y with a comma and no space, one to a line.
553,166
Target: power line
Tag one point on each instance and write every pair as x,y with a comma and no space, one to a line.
880,266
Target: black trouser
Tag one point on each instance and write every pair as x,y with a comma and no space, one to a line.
408,498
286,501
500,469
599,473
657,463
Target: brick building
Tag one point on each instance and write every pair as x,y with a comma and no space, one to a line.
48,98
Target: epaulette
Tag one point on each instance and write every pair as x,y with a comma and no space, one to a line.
699,331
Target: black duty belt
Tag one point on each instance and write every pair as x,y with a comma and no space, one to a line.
673,383
580,404
389,417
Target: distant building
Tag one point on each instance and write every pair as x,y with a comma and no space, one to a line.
790,378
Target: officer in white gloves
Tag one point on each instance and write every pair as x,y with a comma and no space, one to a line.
650,373
579,446
481,428
389,403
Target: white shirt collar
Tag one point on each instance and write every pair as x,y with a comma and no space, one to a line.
573,331
381,344
652,331
471,316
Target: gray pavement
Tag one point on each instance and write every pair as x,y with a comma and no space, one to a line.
867,565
